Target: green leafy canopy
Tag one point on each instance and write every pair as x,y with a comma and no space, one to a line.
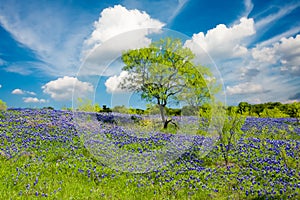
165,72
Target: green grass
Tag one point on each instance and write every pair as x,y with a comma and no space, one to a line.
59,178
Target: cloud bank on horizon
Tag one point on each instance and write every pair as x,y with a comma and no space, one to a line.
257,51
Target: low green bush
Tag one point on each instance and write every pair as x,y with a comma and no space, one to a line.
3,106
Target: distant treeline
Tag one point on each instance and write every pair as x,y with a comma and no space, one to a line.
270,109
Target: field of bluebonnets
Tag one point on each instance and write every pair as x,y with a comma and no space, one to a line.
42,156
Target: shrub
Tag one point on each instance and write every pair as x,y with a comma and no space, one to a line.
152,109
226,122
273,113
120,109
3,106
105,109
230,134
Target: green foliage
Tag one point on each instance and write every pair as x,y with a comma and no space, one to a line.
171,129
152,109
205,111
3,106
120,109
165,72
269,109
189,110
227,122
66,108
133,111
205,116
136,111
97,107
173,111
294,110
274,113
231,110
244,108
231,132
86,105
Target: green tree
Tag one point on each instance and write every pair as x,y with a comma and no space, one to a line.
135,111
231,110
2,105
97,108
152,109
66,108
272,105
85,105
164,73
120,109
294,110
189,110
205,114
244,108
274,113
173,111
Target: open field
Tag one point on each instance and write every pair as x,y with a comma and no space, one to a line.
42,154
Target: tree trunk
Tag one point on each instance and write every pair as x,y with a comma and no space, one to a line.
165,120
163,117
166,124
162,113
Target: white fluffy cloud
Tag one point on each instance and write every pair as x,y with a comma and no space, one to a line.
265,54
33,100
113,83
244,88
62,88
0,86
262,70
17,91
223,42
28,99
286,53
20,91
116,30
117,20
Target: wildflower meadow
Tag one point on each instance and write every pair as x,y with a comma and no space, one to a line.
43,155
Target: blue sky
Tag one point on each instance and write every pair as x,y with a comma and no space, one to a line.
47,46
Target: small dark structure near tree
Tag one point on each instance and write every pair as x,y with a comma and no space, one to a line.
105,109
